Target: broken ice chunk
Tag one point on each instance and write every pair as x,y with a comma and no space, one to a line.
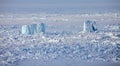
41,28
33,29
25,29
89,26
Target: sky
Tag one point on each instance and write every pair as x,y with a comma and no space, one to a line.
57,2
18,4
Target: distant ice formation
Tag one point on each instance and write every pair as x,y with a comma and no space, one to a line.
89,26
33,29
24,50
42,27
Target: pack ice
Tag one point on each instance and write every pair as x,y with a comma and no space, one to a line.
33,29
89,26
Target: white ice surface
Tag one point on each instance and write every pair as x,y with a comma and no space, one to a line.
62,44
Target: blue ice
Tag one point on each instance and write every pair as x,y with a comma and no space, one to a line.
89,26
33,29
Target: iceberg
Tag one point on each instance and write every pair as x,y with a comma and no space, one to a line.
89,26
41,28
25,29
33,29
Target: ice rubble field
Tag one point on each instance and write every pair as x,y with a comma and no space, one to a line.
61,41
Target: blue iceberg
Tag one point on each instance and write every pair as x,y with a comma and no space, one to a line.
41,28
89,26
33,29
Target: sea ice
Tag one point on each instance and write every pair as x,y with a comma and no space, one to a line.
33,29
89,26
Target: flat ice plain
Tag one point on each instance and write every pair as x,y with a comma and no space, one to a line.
63,44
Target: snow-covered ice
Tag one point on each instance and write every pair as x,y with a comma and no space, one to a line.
63,42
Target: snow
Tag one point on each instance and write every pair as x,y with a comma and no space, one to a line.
62,43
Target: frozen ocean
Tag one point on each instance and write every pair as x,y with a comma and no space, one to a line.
59,33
